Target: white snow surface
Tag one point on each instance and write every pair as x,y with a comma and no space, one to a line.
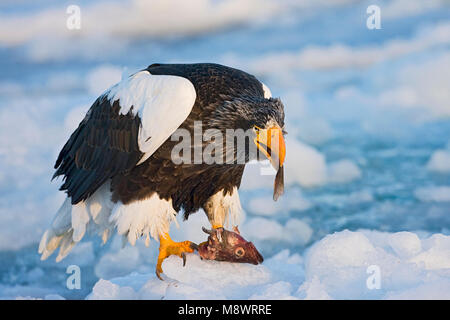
411,265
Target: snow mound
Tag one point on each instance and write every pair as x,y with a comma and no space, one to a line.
344,265
197,280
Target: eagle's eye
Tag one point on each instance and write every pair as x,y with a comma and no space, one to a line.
239,252
256,128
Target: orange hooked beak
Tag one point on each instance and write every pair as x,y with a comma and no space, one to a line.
271,143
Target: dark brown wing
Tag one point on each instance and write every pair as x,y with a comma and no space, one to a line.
104,144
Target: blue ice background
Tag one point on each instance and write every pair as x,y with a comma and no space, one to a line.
390,149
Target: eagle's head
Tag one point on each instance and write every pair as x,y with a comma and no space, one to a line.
258,123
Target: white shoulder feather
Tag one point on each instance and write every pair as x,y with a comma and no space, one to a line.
162,102
267,93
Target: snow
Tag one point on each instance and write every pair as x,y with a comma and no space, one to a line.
439,161
294,231
412,267
405,244
307,167
314,131
106,290
102,78
265,206
304,165
416,88
340,263
436,253
280,290
74,117
127,258
360,197
343,171
433,193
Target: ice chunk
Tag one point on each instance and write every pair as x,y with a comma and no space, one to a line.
265,206
439,161
405,244
275,291
434,290
214,274
436,194
54,297
343,171
304,165
340,261
436,254
313,290
295,231
121,262
106,290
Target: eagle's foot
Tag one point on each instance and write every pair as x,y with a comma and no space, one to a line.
169,247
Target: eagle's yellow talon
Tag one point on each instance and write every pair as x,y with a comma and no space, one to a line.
169,247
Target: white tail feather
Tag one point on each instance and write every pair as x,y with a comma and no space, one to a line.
150,217
61,224
65,246
80,219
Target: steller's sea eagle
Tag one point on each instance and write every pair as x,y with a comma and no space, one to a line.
120,171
